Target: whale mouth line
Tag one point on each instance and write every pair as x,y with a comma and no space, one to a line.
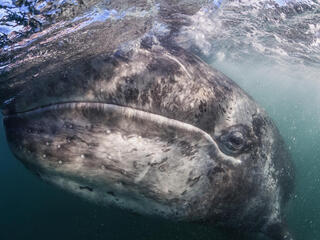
70,104
129,111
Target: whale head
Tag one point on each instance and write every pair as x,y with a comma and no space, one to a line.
150,128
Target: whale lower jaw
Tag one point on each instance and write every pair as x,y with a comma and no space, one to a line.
120,156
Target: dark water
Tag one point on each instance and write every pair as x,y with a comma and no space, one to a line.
277,63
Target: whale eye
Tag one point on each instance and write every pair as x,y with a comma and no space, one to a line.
236,139
232,142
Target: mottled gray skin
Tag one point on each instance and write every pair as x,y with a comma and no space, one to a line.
152,129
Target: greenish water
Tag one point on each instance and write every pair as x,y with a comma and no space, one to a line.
290,94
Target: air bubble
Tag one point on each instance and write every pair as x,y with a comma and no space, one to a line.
108,131
47,143
60,162
82,156
59,146
44,155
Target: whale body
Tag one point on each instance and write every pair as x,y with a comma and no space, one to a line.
123,116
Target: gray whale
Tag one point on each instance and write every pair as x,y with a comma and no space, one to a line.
150,128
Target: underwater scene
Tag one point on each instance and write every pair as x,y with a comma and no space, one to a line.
160,119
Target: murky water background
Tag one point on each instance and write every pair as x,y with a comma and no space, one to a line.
271,51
